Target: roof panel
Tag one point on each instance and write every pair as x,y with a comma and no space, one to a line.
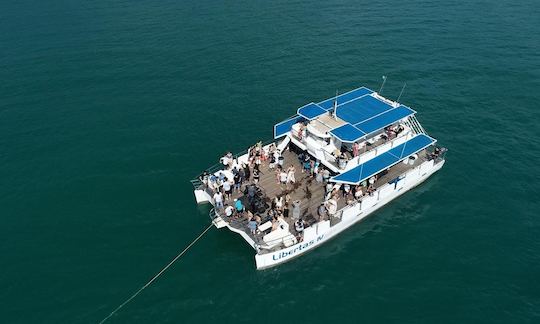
387,118
347,133
412,146
311,111
347,96
361,109
281,129
381,162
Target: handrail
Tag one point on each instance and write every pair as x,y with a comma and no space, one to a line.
197,183
212,213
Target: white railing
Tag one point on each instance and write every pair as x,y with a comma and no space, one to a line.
413,123
368,155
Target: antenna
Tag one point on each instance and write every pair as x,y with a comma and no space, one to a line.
404,85
382,85
335,105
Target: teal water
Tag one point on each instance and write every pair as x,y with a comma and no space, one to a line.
109,108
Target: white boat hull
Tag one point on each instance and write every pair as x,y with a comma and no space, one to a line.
320,233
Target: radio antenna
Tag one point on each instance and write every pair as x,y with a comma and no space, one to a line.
382,85
404,85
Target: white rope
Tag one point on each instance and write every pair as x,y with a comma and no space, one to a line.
156,276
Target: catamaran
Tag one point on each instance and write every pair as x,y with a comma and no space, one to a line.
345,157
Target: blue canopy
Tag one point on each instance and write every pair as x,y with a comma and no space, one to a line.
361,109
363,113
344,97
285,126
347,133
366,115
385,119
384,161
311,111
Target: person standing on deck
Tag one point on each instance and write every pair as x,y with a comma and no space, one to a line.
286,210
316,167
241,175
283,177
237,182
212,182
296,209
290,175
218,199
278,202
307,165
227,188
355,149
252,225
247,172
281,159
272,162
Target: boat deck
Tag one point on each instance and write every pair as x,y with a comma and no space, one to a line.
306,189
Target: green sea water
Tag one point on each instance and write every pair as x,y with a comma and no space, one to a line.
109,108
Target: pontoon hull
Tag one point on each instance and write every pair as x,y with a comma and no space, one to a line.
322,232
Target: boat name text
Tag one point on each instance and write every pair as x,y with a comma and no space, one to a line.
300,247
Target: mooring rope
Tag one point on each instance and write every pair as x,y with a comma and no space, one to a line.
156,276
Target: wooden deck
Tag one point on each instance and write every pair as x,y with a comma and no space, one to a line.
306,189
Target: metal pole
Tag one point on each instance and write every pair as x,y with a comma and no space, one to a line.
404,85
382,85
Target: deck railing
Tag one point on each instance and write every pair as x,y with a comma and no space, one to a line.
197,183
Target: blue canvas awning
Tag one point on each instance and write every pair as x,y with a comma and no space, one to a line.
311,111
345,97
384,161
347,133
361,109
352,132
285,126
385,119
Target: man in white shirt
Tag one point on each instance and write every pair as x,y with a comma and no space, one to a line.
227,188
218,200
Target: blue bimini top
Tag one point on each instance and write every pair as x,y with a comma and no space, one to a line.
311,111
384,161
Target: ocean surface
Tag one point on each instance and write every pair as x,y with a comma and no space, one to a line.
109,108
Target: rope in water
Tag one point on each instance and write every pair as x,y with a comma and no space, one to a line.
156,276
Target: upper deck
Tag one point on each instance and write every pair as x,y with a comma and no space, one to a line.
358,120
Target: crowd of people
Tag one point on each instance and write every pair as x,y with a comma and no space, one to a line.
241,180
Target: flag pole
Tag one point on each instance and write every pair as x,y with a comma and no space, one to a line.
335,104
404,85
382,85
